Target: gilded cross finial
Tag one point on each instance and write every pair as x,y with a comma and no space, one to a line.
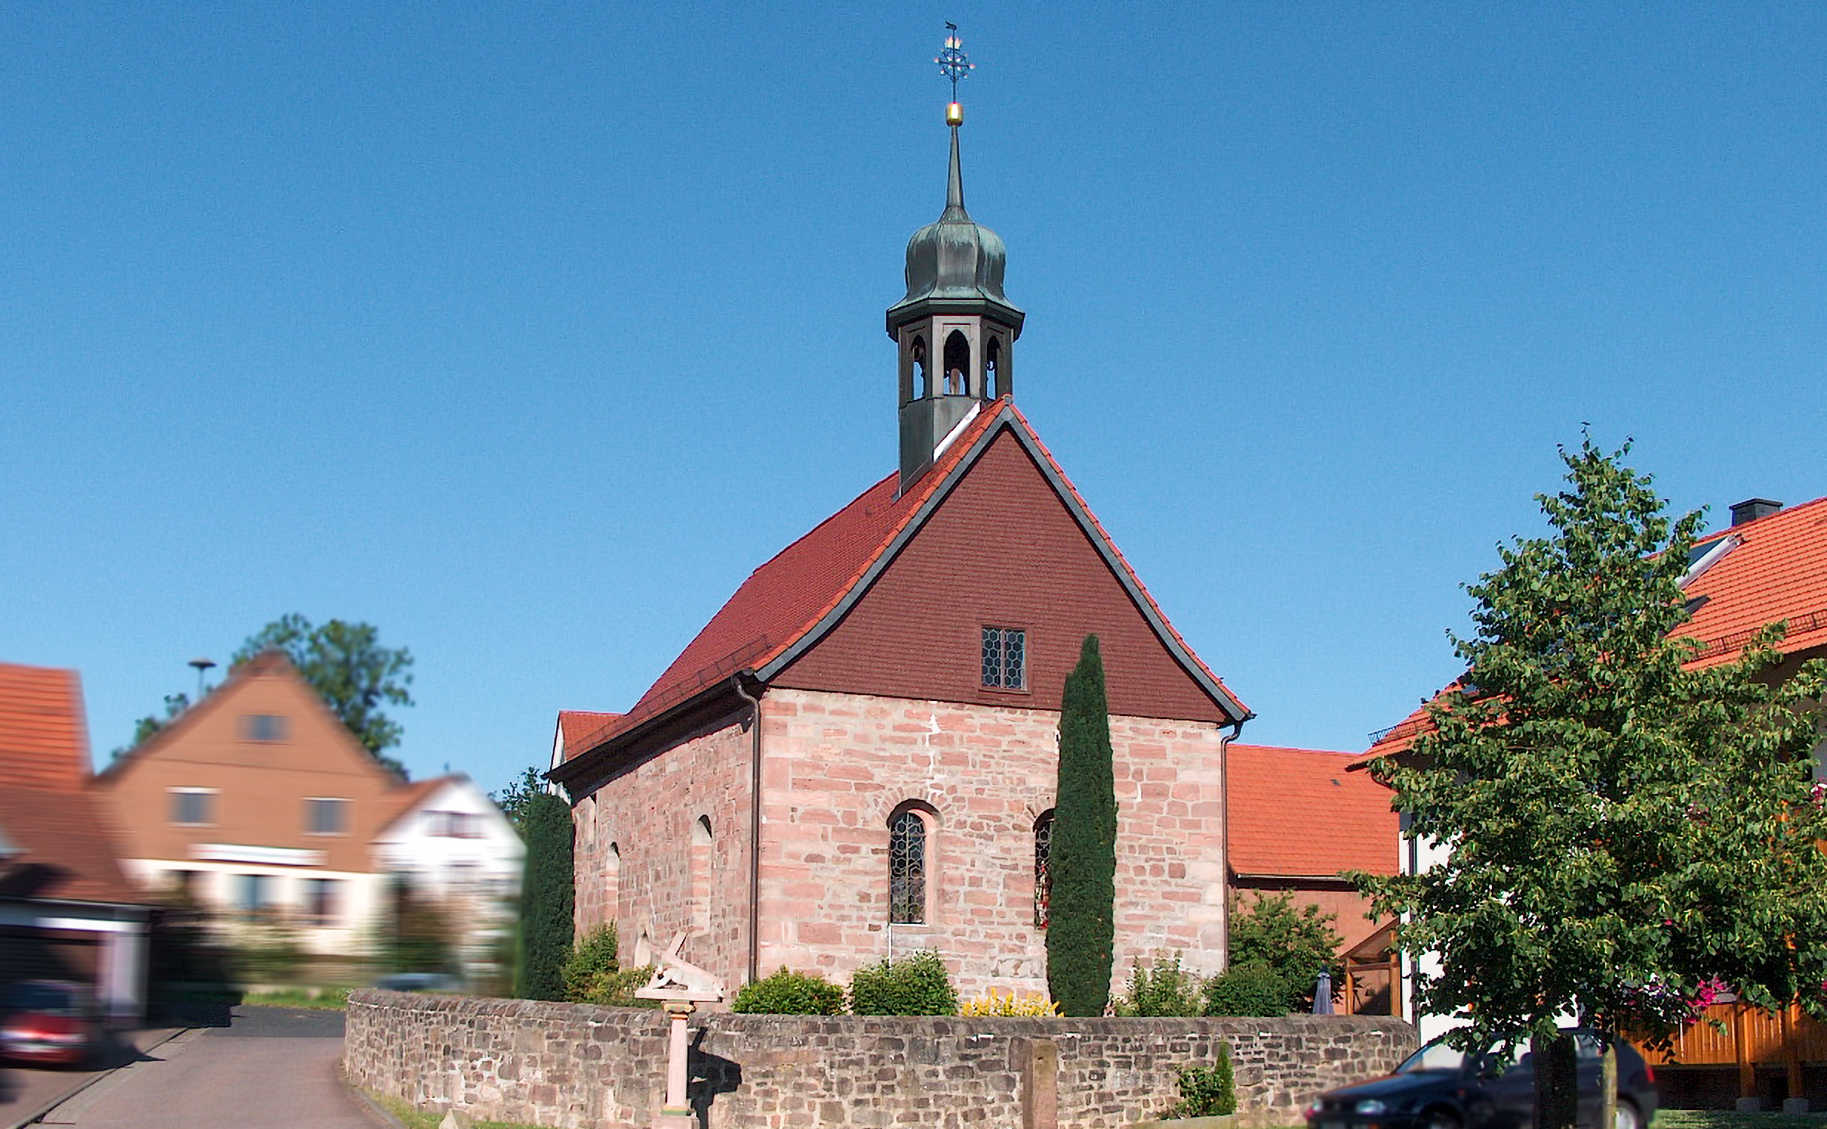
954,65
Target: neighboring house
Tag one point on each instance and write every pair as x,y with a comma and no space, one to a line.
1769,565
260,805
454,845
66,909
856,757
1296,819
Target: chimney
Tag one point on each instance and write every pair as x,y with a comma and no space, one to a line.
1753,508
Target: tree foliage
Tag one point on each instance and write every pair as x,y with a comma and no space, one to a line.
417,936
1296,942
1622,827
347,666
350,670
545,900
515,799
1081,927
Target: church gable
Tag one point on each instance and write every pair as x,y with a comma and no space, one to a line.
1003,551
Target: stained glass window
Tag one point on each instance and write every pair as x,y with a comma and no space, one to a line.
1005,658
907,869
1043,876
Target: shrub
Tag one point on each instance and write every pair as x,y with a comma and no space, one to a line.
612,987
545,900
1010,1004
1297,942
1163,989
912,985
415,937
791,993
1207,1091
1247,989
588,959
1081,925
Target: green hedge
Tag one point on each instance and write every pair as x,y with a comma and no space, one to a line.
791,993
912,985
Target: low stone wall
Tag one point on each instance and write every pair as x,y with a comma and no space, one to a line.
573,1066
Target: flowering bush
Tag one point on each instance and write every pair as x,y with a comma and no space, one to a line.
996,1003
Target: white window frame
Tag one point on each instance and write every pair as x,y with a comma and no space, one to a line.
311,810
208,819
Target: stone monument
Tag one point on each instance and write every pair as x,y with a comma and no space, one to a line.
680,986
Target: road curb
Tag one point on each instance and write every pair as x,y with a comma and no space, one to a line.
39,1113
374,1108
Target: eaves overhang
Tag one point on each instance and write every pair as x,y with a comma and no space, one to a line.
712,699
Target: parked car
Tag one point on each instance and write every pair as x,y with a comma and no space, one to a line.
1440,1087
49,1022
419,982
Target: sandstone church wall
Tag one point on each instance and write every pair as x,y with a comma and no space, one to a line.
835,767
573,1066
642,859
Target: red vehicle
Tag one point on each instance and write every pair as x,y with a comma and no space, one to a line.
48,1022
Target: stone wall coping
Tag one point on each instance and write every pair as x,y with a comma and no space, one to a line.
937,1025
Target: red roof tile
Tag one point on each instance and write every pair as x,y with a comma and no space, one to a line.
1299,813
402,798
66,848
578,728
44,738
790,594
1777,571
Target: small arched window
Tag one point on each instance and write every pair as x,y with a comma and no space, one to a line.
992,367
924,380
1043,873
907,867
612,881
701,872
957,364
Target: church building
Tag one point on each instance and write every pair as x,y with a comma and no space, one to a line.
856,757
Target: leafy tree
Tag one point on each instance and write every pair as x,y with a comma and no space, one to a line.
1298,943
515,799
545,900
347,666
1081,927
1623,828
145,727
416,934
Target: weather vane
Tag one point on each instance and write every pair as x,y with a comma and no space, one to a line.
954,64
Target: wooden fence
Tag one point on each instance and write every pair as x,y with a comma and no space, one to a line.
1739,1035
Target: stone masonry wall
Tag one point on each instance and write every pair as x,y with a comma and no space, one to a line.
578,1067
641,863
836,766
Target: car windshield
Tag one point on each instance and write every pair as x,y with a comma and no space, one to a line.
54,999
1441,1056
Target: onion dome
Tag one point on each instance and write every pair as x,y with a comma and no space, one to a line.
955,264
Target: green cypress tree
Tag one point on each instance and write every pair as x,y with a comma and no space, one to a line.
1081,924
545,900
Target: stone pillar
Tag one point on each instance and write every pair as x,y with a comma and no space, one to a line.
676,1113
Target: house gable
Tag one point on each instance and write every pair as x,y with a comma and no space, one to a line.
1004,548
261,778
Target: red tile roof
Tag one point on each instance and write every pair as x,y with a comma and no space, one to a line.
1297,813
789,595
403,798
577,728
66,848
44,739
1777,571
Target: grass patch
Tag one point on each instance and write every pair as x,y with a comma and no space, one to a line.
321,999
1725,1119
414,1118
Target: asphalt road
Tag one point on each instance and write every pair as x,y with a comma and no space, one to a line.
270,1068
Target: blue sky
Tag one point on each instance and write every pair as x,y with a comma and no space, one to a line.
526,332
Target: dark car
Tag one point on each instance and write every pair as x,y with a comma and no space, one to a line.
1439,1087
49,1022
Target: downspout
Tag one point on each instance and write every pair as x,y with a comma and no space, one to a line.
1224,820
754,826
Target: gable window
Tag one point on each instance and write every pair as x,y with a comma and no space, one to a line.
1043,874
193,807
263,727
907,868
1005,658
453,824
324,816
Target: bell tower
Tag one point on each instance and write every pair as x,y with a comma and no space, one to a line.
955,331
